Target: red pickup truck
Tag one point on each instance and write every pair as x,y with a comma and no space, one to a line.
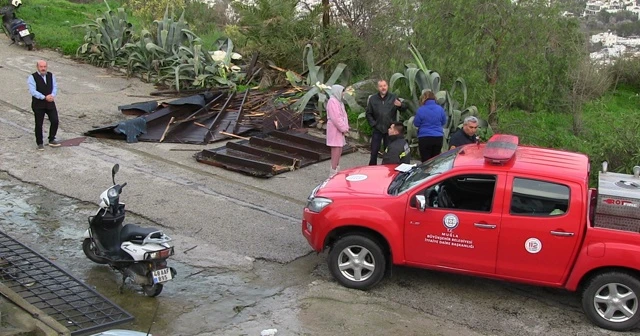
499,210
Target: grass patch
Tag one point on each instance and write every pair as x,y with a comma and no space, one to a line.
52,21
610,130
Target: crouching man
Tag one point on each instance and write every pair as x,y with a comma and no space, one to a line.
398,150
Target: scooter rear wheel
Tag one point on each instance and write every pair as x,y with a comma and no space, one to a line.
28,42
89,250
152,291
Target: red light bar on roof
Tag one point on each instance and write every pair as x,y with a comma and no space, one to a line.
500,148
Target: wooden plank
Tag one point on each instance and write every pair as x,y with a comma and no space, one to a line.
167,129
233,135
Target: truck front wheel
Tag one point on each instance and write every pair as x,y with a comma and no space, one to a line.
357,261
610,300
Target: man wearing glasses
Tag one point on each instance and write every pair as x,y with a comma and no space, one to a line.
466,135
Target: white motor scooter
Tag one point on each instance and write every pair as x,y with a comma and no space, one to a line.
138,253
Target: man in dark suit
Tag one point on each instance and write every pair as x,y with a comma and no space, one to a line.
43,89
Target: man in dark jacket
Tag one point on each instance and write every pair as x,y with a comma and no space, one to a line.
382,109
466,135
398,150
43,89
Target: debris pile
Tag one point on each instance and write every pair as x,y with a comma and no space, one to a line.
271,133
205,118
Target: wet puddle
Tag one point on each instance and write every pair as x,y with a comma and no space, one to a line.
197,301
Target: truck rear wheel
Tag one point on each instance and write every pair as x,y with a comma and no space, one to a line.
357,261
610,300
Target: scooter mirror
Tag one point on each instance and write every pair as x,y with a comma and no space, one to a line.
114,171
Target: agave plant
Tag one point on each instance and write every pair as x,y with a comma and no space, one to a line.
171,34
419,78
105,39
192,66
154,52
319,88
143,57
224,71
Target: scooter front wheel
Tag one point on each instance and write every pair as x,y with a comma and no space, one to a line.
89,249
152,291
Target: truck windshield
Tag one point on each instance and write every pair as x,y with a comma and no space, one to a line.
420,173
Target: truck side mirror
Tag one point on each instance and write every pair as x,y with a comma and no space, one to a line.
421,202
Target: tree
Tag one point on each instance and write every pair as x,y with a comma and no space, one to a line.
274,28
358,15
509,53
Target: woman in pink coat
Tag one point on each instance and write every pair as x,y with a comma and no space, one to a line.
337,126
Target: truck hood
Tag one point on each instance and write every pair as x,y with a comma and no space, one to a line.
369,180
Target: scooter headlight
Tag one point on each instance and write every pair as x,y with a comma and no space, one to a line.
112,193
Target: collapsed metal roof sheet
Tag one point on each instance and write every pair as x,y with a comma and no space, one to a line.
269,154
203,118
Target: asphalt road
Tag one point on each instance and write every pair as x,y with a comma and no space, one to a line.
247,227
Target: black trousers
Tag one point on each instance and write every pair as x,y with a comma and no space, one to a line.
376,138
52,113
429,147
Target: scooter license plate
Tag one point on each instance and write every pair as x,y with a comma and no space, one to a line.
162,275
24,33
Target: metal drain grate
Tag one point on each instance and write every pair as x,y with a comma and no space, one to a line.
54,291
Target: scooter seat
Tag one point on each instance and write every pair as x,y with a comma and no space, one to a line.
136,234
15,23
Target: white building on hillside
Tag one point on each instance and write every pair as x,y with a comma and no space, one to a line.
607,39
611,6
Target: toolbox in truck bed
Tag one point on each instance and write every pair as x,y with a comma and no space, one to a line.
618,205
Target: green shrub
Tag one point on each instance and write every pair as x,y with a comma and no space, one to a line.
150,10
626,71
610,130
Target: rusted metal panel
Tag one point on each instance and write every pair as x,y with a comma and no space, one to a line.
270,142
315,143
270,154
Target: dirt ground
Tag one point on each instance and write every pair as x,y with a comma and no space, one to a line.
248,268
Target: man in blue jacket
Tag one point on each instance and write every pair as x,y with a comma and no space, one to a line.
430,120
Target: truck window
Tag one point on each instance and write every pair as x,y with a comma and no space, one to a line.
463,192
423,172
538,198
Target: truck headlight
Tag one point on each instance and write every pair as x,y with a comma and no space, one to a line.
316,204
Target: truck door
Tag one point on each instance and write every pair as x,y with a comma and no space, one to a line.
459,225
540,229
